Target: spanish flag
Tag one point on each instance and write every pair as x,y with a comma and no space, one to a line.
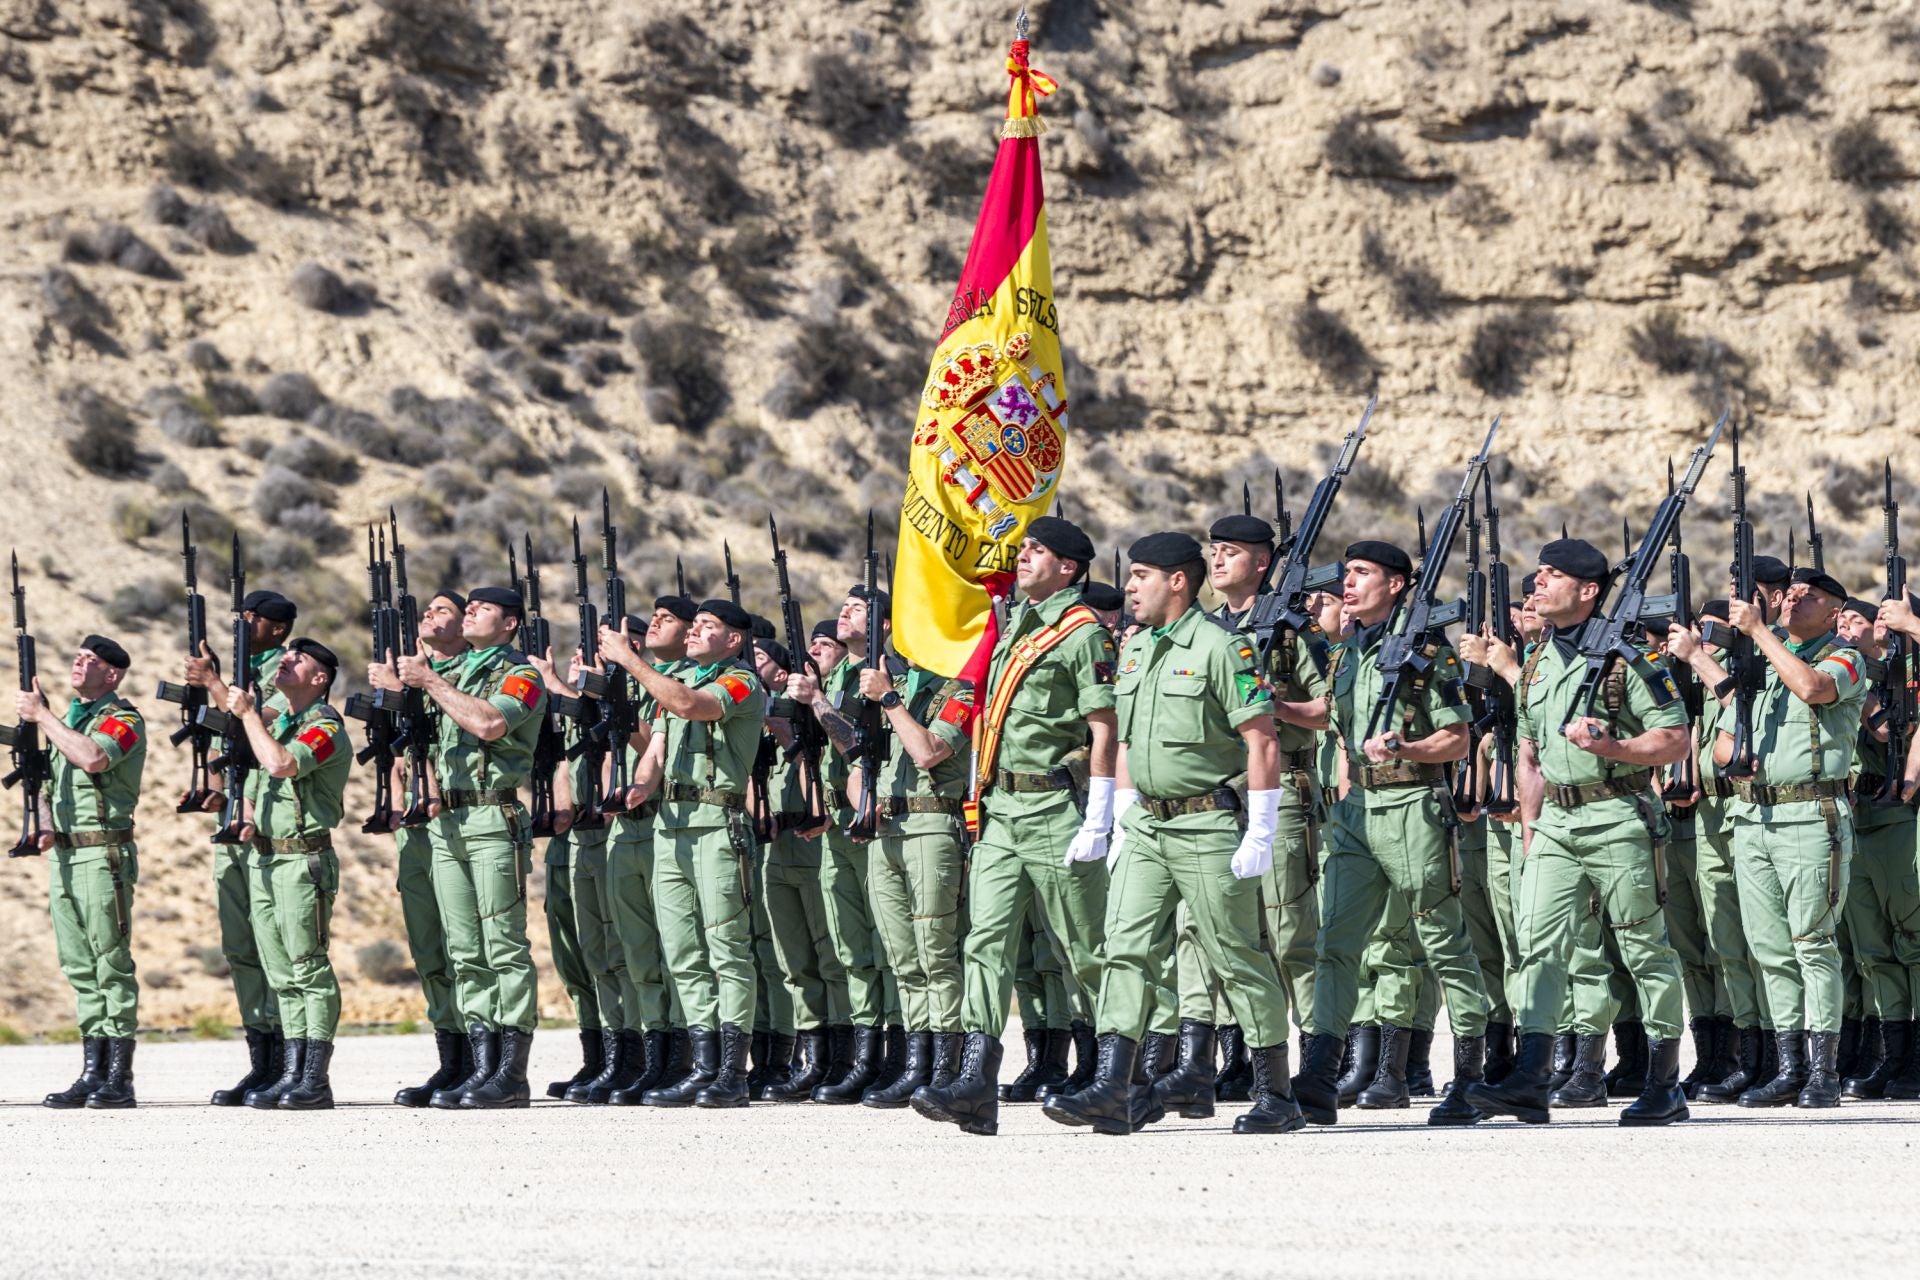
991,436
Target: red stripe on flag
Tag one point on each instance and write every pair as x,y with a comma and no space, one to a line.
1009,212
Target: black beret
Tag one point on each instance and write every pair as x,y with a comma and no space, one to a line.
858,591
1384,554
1714,608
679,606
1526,586
828,627
458,601
729,613
1575,557
270,605
1866,609
1062,537
1165,550
318,652
762,628
1769,570
1242,528
1820,581
506,597
774,650
107,651
1104,597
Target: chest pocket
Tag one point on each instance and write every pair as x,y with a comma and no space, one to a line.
1043,694
1182,711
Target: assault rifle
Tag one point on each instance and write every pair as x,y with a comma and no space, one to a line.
1500,709
31,765
1684,777
191,698
1896,668
809,739
870,743
595,736
382,719
235,761
1743,661
1473,618
1606,639
548,749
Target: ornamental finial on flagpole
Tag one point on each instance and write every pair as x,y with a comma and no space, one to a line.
1020,24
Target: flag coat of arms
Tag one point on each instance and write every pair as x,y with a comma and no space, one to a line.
990,436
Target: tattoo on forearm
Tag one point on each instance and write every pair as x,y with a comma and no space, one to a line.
839,728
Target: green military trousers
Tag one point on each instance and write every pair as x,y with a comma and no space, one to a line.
804,963
426,939
856,943
90,897
481,860
701,892
1162,867
1483,926
1289,919
1019,879
1883,912
636,967
1564,870
1687,925
292,899
1596,991
1384,851
1503,881
593,922
914,875
1790,903
1040,989
564,931
232,896
1719,893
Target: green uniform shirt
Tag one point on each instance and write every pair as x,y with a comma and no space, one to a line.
104,801
1047,719
313,801
711,755
1294,670
1785,728
512,686
1183,694
945,707
1871,754
1548,696
1356,683
841,689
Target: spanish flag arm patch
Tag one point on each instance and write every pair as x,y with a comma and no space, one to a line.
735,688
521,690
958,713
121,732
319,740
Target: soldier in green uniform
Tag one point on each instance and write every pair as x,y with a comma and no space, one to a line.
269,617
488,725
1392,849
1896,617
872,995
296,796
1045,794
439,629
707,724
1195,722
96,753
1594,824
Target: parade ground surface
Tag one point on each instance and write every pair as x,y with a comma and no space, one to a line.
181,1188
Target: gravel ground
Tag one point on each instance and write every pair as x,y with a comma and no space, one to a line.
177,1187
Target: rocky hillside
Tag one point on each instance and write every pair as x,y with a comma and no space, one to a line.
283,264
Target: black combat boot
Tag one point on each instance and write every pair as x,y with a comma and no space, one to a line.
1662,1101
1317,1087
1469,1068
1420,1064
613,1070
1387,1091
293,1057
1871,1057
679,1058
1769,1058
1629,1075
646,1053
1905,1084
894,1062
1566,1052
93,1074
915,1070
868,1045
314,1090
1021,1087
1784,1089
1188,1088
116,1091
483,1051
810,1060
1144,1106
946,1057
839,1055
784,1067
1726,1047
1746,1069
1892,1056
1499,1051
1524,1093
1159,1054
705,1046
1703,1031
1822,1089
972,1100
1587,1086
1106,1104
1235,1083
1274,1110
263,1067
1851,1031
759,1058
1365,1064
454,1067
728,1088
506,1088
596,1055
1086,1063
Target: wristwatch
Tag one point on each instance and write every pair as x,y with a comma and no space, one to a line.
890,699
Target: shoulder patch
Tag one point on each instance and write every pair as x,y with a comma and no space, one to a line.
121,732
1103,672
319,739
1246,653
1848,659
957,713
521,689
1250,687
735,687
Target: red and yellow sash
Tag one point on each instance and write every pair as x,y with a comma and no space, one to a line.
1025,656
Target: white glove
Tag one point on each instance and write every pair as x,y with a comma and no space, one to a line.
1255,853
1123,800
1089,844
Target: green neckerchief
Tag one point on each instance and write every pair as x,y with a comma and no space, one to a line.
78,711
702,674
1796,647
918,680
477,659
